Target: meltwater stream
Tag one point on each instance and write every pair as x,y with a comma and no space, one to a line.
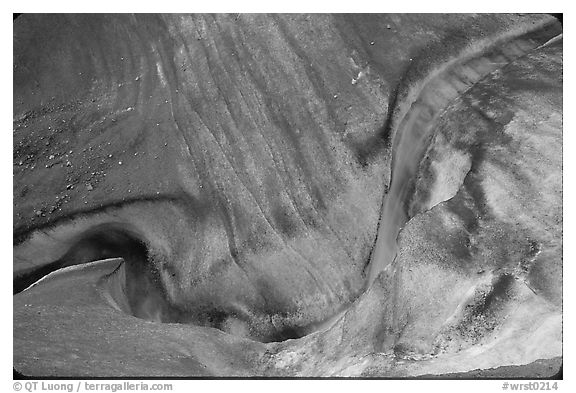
414,129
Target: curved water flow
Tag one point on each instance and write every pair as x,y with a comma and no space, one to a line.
415,129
